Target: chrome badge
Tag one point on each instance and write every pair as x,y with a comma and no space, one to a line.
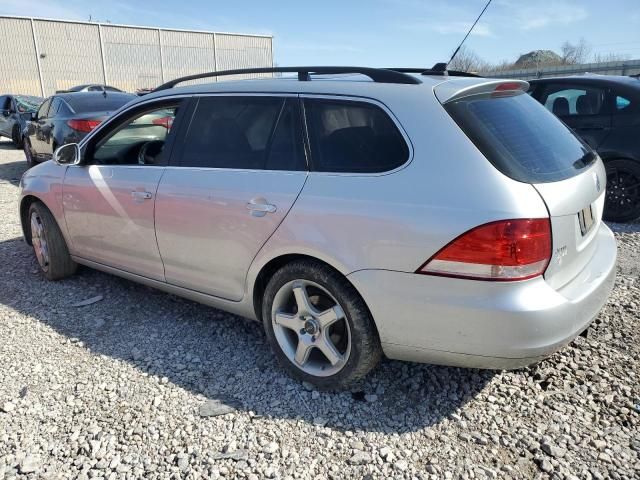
596,179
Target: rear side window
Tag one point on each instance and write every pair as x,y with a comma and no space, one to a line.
520,137
44,108
563,101
252,132
357,137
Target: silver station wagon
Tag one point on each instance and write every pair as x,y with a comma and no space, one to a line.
355,212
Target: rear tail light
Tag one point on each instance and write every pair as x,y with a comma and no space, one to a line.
165,122
503,251
83,125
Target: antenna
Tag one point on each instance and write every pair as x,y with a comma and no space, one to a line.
468,33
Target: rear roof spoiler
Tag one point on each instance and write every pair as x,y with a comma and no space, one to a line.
457,88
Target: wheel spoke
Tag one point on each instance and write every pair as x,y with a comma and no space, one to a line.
326,346
330,316
302,352
288,320
302,301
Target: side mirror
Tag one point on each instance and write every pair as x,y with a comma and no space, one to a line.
68,154
33,116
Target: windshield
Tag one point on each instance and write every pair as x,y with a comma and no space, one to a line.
27,104
520,137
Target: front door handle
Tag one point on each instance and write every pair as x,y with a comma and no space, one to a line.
259,207
139,196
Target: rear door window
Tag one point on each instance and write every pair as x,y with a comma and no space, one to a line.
352,136
520,137
245,132
574,100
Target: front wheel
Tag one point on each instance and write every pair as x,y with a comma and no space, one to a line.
622,201
318,325
48,244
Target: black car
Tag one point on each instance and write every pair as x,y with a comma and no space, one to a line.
67,118
604,111
15,112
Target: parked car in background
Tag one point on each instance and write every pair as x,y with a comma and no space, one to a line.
67,118
91,87
604,110
428,217
15,112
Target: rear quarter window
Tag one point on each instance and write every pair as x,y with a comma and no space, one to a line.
354,137
520,137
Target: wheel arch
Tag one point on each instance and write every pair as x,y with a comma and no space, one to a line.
25,204
274,264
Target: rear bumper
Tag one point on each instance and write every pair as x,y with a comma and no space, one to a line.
485,324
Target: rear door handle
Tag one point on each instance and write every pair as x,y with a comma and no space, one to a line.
259,207
137,195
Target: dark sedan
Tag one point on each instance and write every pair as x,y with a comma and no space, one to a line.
604,110
67,118
15,112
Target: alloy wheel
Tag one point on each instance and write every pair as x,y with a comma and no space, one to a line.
623,191
39,241
311,328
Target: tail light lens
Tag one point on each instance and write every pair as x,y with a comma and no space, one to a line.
83,125
165,122
503,251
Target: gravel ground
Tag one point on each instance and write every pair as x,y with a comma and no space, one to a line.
117,389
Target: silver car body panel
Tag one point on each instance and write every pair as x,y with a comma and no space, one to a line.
571,249
109,212
485,324
377,229
208,233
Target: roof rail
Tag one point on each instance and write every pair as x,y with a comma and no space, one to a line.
435,71
379,75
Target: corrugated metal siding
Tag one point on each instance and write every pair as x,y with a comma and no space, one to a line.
186,53
131,57
18,64
243,51
69,54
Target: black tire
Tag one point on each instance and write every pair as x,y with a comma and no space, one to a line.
365,350
28,154
16,137
59,264
622,202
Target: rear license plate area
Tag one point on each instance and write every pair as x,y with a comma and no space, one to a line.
586,220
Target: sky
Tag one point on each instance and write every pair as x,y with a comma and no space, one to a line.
376,33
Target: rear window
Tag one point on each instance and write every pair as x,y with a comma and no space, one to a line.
521,138
91,102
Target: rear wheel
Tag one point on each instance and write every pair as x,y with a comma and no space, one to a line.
318,325
28,154
16,136
622,201
48,244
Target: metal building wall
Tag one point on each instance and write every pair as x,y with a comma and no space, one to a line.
69,54
18,61
40,56
186,53
132,57
243,51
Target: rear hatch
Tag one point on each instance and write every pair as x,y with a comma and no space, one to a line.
527,143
